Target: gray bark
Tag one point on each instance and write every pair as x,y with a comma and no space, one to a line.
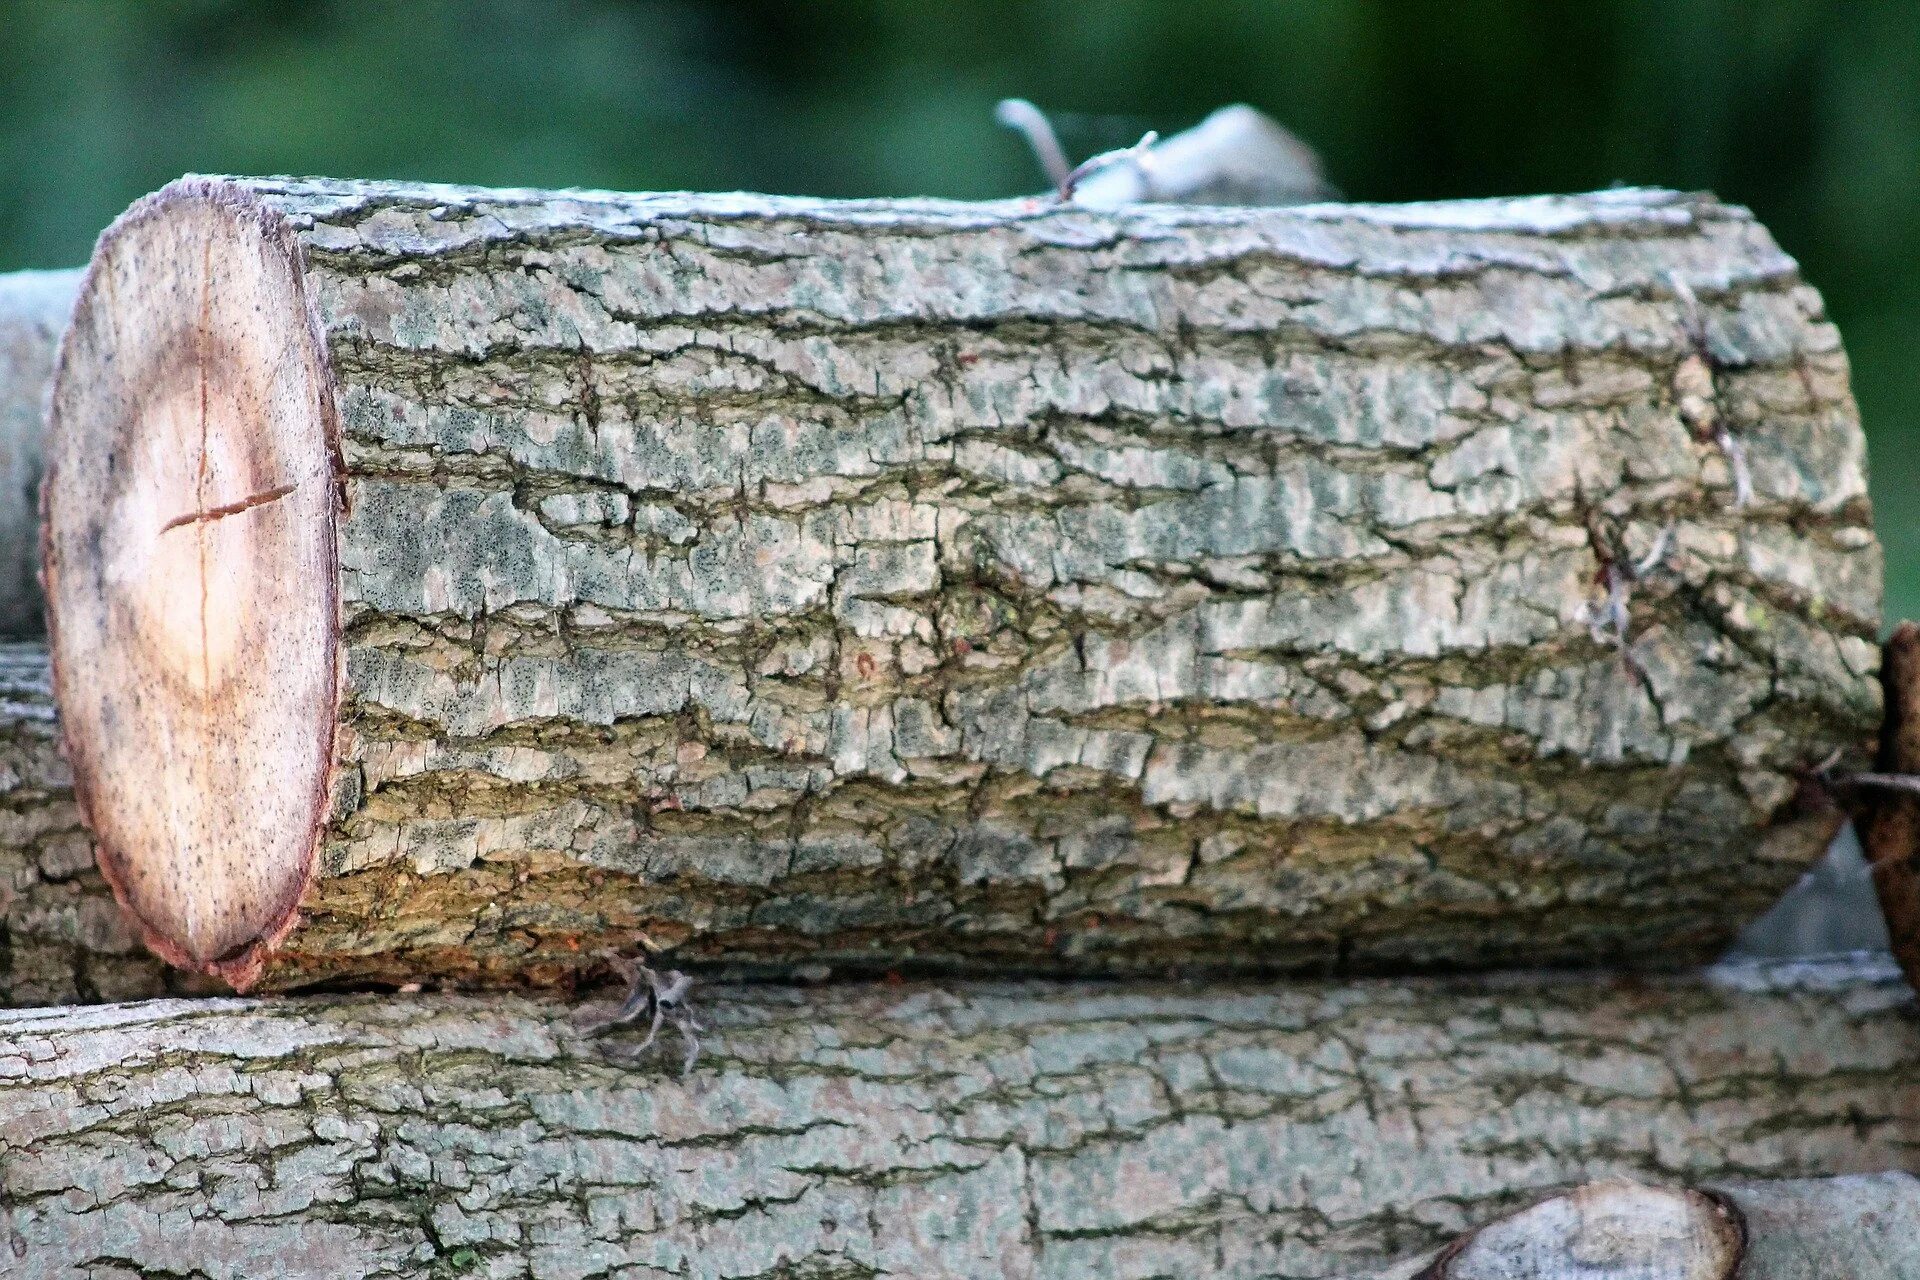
62,938
33,313
991,1129
976,586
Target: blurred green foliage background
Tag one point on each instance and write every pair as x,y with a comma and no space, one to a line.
1806,110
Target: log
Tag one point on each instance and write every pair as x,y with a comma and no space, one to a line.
988,1129
1890,820
446,582
62,938
33,313
1862,1228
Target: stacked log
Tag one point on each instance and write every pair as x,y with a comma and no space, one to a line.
33,314
62,937
1060,1129
1890,826
448,583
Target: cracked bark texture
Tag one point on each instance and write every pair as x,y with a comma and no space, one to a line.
1020,588
33,313
62,938
1003,1129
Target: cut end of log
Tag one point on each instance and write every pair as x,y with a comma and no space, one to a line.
1604,1229
190,561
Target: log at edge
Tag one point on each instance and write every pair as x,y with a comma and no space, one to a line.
1025,1130
1057,591
1863,1227
62,936
1890,825
34,306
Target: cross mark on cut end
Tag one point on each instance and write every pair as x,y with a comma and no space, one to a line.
229,509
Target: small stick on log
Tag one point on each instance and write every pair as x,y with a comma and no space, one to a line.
450,584
1311,1129
33,313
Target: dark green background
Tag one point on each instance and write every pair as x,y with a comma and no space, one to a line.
1807,110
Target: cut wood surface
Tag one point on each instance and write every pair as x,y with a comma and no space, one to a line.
33,314
991,1129
495,575
1856,1228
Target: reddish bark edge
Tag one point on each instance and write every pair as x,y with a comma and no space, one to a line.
241,967
1890,821
1728,1213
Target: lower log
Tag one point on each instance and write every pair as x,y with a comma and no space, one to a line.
995,1129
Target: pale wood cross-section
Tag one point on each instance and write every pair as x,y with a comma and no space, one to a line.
194,630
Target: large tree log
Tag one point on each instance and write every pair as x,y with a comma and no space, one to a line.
945,584
62,938
1017,1130
33,313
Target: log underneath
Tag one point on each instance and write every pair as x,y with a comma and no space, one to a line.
1005,1129
491,575
62,938
1890,821
33,313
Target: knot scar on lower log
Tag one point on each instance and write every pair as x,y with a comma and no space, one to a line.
229,509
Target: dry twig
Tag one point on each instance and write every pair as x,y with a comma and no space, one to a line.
658,998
